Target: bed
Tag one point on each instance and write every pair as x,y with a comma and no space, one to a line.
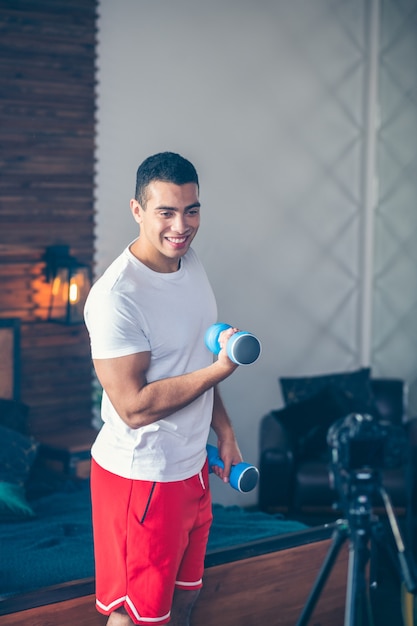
259,568
267,579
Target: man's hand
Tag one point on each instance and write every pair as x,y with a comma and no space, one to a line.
230,455
223,339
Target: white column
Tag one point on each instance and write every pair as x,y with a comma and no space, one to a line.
369,179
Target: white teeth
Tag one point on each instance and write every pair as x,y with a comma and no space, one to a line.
178,240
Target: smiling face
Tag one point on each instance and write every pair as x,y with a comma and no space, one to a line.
168,224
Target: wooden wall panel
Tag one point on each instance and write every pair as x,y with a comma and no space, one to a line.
47,106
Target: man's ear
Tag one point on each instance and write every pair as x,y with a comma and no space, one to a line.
137,210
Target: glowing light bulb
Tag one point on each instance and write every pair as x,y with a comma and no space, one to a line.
74,293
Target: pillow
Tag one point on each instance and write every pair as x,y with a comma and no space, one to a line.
356,387
14,415
308,421
17,455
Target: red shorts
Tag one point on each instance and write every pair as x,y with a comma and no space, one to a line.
149,538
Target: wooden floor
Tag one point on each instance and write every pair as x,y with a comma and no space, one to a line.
268,589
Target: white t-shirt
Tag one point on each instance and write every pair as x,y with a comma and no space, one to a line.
133,309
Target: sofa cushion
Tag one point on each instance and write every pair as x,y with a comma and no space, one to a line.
308,421
356,387
313,486
390,398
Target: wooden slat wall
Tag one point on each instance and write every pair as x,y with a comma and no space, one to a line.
47,106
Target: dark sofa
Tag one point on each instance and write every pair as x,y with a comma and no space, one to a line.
294,452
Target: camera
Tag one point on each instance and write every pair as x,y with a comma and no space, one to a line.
361,447
359,441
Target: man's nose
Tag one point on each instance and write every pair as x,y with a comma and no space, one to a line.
180,223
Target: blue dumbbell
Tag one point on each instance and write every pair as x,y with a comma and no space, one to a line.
242,348
243,477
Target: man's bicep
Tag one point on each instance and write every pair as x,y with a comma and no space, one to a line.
123,377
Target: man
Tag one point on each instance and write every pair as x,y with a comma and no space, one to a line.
147,316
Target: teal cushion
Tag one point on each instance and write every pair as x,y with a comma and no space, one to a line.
17,455
13,503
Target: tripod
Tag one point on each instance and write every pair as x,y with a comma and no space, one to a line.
360,526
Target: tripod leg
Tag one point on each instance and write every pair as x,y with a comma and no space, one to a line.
358,608
405,559
338,539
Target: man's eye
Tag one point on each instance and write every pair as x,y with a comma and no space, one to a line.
166,213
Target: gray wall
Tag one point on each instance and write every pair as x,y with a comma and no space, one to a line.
277,105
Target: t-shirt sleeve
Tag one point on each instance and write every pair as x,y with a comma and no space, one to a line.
114,325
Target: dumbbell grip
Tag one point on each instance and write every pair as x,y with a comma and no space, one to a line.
243,348
243,476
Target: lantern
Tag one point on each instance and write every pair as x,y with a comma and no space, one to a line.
70,283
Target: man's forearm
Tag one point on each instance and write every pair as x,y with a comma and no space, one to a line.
161,398
220,422
226,441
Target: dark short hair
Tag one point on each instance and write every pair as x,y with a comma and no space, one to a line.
168,167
